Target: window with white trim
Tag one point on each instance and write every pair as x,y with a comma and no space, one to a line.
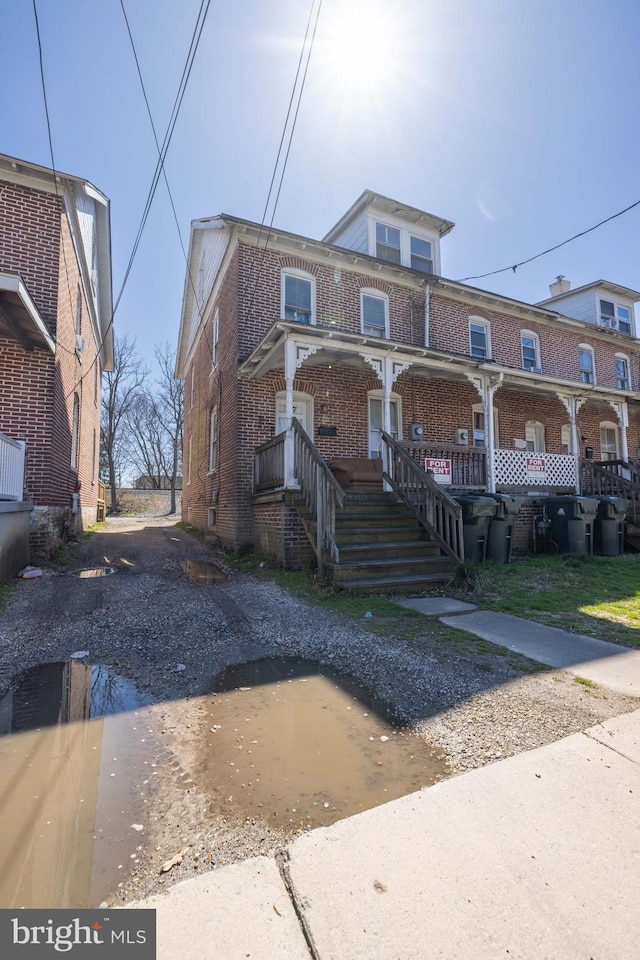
587,364
530,348
298,297
479,432
615,315
214,339
623,381
189,458
534,435
608,440
387,243
213,440
421,255
479,338
374,313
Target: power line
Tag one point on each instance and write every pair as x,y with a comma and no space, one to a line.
514,267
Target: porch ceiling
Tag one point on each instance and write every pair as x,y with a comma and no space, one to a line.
20,319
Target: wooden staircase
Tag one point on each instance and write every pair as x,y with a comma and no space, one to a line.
381,546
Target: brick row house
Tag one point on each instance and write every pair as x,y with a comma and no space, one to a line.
55,342
390,368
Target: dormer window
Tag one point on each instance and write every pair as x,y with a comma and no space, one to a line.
387,243
421,255
615,316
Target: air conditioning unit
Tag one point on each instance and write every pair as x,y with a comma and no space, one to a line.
520,444
79,344
462,436
416,432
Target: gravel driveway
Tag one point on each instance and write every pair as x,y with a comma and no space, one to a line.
171,636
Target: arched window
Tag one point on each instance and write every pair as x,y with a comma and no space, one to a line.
534,436
479,338
530,349
609,440
623,380
587,364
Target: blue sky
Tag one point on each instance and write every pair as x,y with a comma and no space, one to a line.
515,119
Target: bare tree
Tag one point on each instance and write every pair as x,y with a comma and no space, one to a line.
170,408
120,389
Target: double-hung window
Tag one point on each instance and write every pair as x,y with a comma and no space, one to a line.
374,314
298,297
587,365
530,346
421,255
213,441
479,345
622,372
387,243
615,315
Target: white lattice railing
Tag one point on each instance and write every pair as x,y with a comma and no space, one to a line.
11,468
522,468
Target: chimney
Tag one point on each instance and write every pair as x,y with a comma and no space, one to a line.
559,286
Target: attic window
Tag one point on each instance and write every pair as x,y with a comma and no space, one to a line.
615,316
387,243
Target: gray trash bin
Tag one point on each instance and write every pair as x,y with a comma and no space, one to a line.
500,539
572,523
477,512
609,526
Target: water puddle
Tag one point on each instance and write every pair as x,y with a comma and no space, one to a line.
205,572
93,572
72,753
295,744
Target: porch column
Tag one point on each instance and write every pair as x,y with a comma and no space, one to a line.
623,415
488,390
289,375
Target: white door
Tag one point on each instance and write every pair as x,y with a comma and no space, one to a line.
302,411
376,424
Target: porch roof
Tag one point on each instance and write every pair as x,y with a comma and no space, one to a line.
20,319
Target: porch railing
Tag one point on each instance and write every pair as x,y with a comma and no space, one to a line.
598,481
432,505
321,493
12,464
269,464
468,464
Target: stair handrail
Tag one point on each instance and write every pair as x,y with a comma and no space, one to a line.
320,491
431,505
599,481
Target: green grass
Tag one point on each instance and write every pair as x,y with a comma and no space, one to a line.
598,596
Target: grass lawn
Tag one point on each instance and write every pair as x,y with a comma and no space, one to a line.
599,596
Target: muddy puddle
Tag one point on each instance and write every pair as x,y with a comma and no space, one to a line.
74,751
295,745
205,572
93,572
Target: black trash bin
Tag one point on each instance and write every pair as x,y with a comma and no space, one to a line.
477,512
500,539
572,523
609,527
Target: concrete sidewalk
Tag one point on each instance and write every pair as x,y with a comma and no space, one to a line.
537,856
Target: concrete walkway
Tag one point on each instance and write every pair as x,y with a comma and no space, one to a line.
537,856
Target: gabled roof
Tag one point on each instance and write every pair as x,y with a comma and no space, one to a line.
625,293
385,205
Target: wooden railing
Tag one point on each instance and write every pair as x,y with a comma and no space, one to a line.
468,464
101,506
12,462
269,464
432,505
599,481
321,493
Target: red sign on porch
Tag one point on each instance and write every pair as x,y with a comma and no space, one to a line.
441,469
536,468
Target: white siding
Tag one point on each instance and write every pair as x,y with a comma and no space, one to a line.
582,306
214,246
354,237
86,214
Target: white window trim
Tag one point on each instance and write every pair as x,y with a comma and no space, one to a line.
213,440
432,258
390,226
609,425
617,304
587,348
406,232
379,395
538,429
481,322
531,335
303,275
623,356
374,292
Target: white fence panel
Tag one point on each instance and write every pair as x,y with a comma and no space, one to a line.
12,455
523,468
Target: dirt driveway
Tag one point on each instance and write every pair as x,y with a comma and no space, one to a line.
152,625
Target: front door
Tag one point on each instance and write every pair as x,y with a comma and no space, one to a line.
302,411
376,424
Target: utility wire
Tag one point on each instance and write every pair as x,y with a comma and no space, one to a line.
514,267
307,45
